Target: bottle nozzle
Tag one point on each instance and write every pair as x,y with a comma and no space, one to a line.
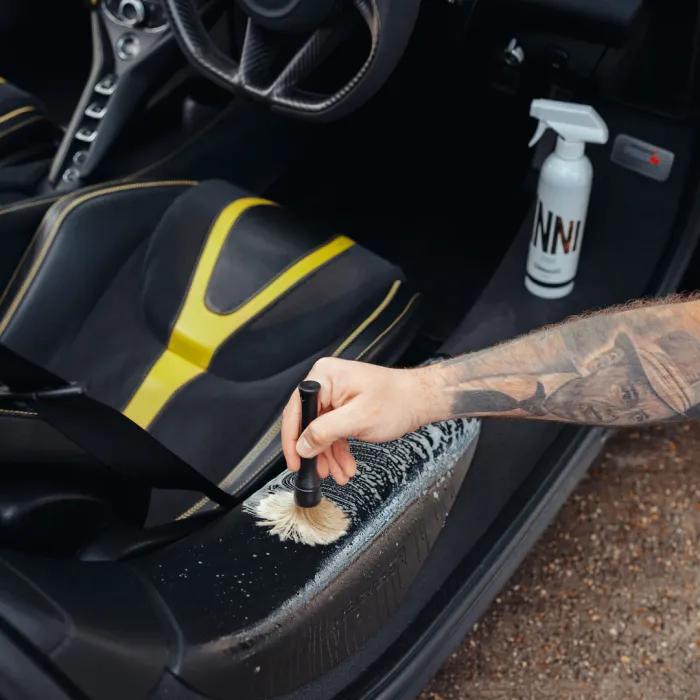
573,123
539,133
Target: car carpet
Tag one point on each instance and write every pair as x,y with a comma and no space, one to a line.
448,236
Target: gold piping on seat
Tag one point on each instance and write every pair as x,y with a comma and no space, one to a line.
16,112
21,125
389,328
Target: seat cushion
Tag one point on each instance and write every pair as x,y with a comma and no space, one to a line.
24,128
195,310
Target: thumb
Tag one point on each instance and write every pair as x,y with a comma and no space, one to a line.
325,430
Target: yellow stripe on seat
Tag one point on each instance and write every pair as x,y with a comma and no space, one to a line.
198,332
168,374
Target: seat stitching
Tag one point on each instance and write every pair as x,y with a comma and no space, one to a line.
54,229
267,438
27,250
18,412
29,205
19,126
11,208
369,320
268,461
15,113
274,429
388,328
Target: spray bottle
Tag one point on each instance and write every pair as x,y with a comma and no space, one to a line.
563,192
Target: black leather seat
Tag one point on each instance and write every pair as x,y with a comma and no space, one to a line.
193,309
25,131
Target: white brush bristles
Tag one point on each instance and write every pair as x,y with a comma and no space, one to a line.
323,524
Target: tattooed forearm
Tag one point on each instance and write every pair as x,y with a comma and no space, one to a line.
632,365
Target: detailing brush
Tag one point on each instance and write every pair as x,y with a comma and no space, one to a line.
304,515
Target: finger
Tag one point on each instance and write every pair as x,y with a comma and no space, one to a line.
291,427
326,375
322,466
336,471
326,429
342,454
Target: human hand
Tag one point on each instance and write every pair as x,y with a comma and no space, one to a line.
367,402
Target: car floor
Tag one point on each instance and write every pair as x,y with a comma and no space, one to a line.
606,605
440,201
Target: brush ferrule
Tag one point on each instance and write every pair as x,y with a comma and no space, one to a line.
307,498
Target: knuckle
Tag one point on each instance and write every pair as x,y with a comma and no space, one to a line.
320,366
316,435
325,365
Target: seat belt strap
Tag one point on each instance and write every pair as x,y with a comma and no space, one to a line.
100,430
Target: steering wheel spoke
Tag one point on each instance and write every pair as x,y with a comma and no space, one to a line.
258,55
312,54
287,40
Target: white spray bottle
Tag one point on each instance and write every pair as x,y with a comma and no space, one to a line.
563,192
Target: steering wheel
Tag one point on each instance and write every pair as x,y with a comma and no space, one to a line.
269,71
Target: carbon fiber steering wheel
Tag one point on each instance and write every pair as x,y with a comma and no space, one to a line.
286,40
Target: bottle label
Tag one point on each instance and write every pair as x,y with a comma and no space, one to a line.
554,247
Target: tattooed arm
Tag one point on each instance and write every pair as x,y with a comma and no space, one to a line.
628,365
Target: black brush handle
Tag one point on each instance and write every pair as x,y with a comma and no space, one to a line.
307,490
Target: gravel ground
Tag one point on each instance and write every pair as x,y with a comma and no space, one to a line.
606,605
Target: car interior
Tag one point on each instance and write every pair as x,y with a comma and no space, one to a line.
199,199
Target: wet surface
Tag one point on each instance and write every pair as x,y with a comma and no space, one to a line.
607,605
268,615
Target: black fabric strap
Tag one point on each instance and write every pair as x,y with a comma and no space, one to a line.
101,431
